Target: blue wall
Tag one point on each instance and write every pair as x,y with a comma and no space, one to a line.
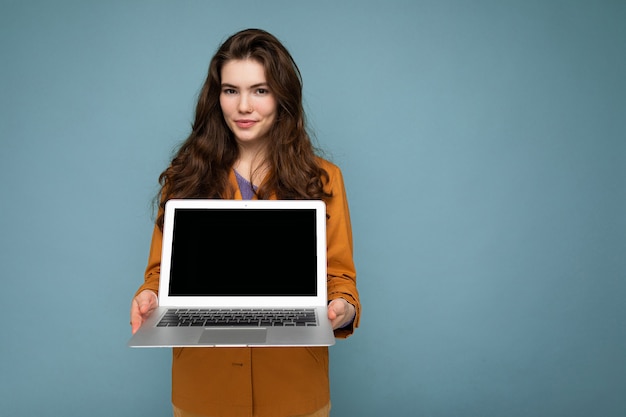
484,149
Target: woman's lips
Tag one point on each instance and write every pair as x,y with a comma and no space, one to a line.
244,124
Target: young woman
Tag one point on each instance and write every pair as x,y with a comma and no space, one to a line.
249,141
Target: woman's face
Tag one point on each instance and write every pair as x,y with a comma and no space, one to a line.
248,105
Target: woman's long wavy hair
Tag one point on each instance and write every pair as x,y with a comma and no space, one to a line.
201,166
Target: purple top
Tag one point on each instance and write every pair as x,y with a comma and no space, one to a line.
245,186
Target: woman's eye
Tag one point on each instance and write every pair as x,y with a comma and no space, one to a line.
229,91
262,91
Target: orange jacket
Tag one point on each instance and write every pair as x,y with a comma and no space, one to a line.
266,382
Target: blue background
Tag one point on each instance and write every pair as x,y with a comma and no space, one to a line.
484,150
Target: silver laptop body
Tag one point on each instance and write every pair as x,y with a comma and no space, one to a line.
238,273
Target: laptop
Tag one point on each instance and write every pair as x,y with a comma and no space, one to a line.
237,273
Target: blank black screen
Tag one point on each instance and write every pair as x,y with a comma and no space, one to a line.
243,252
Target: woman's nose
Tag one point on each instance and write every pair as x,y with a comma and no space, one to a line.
245,105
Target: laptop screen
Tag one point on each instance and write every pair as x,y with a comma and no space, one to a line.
243,252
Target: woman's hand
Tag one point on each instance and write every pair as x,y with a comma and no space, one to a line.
340,313
142,306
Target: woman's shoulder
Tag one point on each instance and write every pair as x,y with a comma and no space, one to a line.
334,181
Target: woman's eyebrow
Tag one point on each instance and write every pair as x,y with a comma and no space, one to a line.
228,85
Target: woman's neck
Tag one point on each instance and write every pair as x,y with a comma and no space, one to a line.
251,164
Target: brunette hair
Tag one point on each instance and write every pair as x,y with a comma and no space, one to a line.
201,166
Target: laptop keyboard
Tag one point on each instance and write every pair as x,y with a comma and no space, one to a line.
239,317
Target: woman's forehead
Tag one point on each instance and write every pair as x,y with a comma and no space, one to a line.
243,73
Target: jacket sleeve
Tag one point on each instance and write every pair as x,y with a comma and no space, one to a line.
341,280
153,269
